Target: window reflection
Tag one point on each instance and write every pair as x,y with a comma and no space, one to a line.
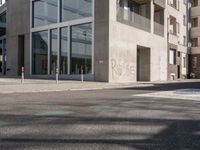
64,51
81,49
45,12
54,50
40,52
76,9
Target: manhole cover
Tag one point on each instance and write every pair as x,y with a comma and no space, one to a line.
188,91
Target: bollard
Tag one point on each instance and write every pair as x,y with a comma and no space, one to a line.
82,74
56,75
22,80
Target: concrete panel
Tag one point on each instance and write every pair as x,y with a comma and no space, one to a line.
12,56
101,40
18,23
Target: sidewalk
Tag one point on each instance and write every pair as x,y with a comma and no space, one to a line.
13,85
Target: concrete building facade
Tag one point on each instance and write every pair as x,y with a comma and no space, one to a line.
195,39
106,40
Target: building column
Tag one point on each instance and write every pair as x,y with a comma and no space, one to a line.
152,16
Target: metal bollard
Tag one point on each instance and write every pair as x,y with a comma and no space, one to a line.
22,79
82,74
57,76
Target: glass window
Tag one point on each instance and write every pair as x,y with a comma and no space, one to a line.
3,17
45,12
54,51
172,57
76,9
81,49
40,53
64,51
194,22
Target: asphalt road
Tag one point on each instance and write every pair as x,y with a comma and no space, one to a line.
115,119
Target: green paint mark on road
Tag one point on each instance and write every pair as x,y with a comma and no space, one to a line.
2,123
101,107
54,113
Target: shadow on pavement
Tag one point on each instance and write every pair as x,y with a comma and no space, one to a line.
177,135
168,86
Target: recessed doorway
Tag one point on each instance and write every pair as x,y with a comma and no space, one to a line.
143,63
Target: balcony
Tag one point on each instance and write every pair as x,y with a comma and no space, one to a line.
133,19
158,29
158,20
174,4
173,39
135,13
195,11
195,32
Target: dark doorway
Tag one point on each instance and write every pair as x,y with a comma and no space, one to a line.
20,53
179,72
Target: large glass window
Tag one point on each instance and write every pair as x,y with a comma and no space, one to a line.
81,48
54,50
40,52
76,9
45,12
64,51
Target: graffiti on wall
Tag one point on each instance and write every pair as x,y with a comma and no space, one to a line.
121,68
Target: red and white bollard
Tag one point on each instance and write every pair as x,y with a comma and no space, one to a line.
56,75
22,80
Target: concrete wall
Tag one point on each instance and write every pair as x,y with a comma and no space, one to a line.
18,23
123,42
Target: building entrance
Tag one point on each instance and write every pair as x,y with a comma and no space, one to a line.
143,63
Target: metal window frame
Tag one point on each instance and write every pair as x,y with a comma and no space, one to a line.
59,25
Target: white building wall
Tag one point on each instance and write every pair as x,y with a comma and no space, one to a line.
123,41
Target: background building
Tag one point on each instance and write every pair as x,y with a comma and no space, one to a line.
195,39
177,39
